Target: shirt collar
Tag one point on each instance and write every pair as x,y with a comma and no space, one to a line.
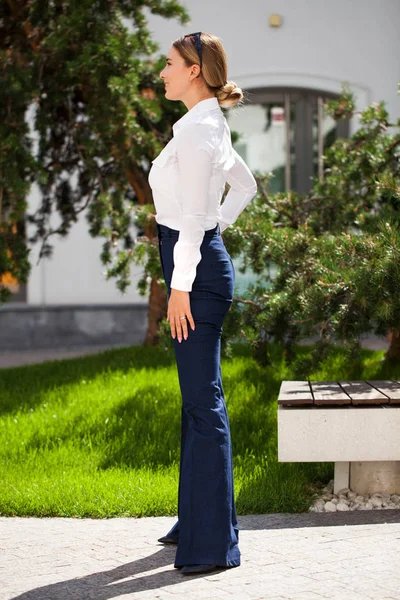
201,107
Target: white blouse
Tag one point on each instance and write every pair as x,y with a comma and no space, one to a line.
188,180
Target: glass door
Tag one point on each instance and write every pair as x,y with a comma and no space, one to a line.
284,132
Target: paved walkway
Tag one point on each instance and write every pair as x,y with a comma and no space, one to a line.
17,358
346,556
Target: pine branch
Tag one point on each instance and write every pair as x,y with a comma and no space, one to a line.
26,25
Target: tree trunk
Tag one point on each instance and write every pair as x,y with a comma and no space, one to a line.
393,352
157,311
158,298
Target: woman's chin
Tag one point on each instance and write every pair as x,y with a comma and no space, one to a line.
169,95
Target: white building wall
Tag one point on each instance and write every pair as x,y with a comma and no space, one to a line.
75,274
321,44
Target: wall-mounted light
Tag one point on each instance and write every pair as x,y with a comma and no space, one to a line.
275,20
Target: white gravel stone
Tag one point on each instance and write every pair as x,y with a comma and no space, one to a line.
330,507
330,486
318,506
353,503
348,499
376,501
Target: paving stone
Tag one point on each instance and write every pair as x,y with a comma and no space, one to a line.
300,557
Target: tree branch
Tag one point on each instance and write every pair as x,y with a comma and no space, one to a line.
26,25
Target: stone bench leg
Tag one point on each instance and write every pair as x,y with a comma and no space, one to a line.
368,477
342,476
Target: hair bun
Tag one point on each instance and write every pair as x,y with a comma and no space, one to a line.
229,94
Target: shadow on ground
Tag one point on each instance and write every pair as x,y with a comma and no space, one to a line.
109,584
312,519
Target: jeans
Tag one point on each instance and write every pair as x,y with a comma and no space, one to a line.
207,529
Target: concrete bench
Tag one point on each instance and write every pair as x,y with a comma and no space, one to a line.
355,424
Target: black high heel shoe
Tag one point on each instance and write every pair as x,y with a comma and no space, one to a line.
195,569
167,540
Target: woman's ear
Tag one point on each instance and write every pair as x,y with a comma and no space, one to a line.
194,72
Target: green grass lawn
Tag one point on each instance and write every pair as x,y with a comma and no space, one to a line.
99,436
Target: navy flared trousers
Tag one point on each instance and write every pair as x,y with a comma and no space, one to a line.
206,530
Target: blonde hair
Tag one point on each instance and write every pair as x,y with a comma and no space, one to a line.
214,67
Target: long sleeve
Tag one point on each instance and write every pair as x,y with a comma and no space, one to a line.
195,153
242,191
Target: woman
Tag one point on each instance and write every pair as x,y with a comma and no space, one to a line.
188,180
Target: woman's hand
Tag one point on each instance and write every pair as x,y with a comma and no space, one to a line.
179,306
